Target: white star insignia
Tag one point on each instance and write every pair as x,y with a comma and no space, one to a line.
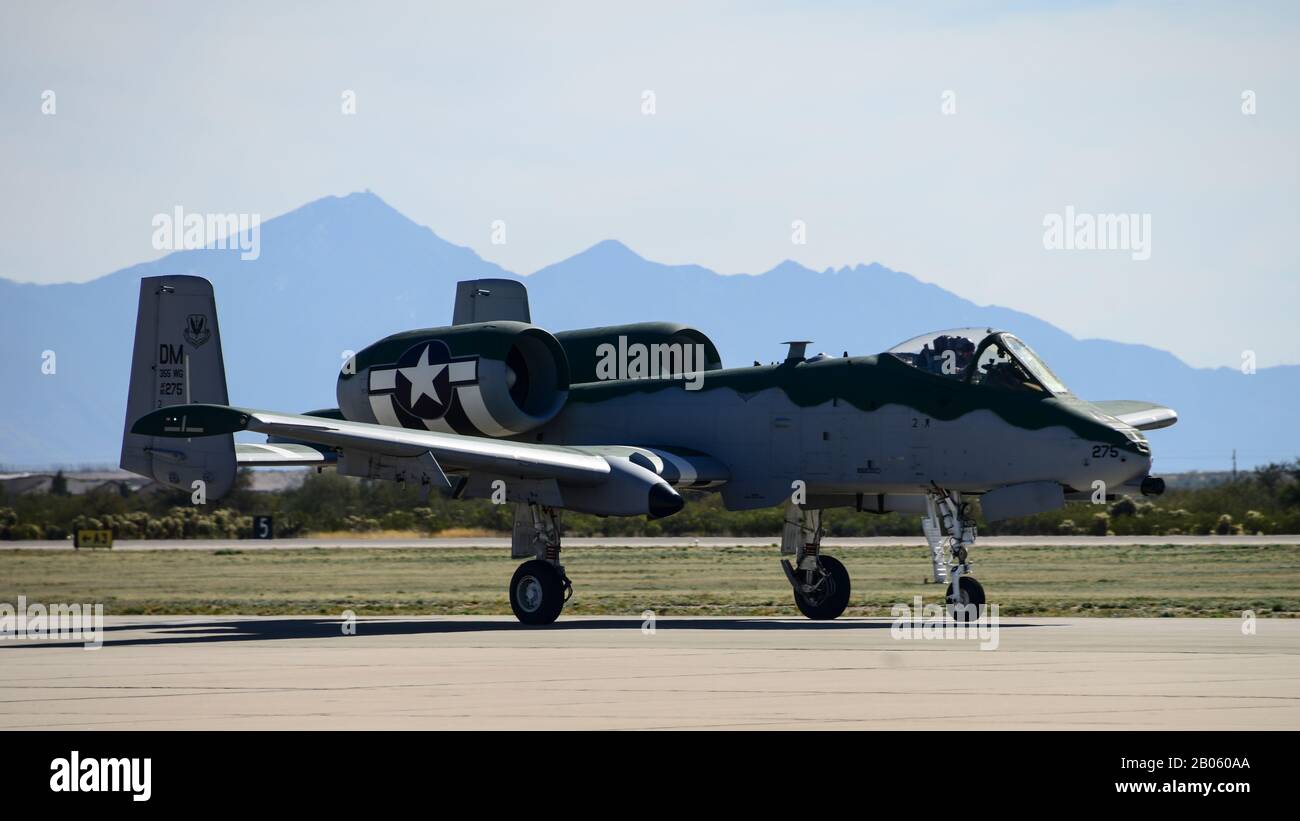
421,376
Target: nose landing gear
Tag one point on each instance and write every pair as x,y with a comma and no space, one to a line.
946,511
968,605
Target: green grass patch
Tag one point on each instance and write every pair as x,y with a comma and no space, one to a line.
1211,580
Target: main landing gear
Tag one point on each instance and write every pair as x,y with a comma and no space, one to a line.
539,587
820,583
950,532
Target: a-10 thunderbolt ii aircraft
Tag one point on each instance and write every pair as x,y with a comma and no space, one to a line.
616,421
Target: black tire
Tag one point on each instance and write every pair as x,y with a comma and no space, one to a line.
537,592
972,593
829,601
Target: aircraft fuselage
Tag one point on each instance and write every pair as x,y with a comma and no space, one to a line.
856,425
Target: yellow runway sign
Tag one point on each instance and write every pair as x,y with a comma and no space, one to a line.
94,538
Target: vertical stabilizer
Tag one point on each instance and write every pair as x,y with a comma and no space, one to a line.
177,360
489,300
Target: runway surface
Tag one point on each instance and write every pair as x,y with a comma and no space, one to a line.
690,673
666,541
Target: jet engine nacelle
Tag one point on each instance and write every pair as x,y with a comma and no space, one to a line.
489,378
668,348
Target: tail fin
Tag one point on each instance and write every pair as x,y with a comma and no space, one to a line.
177,361
490,300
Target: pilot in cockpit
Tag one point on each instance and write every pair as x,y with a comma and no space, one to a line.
949,356
1005,372
965,350
980,356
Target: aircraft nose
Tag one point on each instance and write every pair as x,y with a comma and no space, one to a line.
1138,452
1139,456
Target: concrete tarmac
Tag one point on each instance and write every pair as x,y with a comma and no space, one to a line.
690,673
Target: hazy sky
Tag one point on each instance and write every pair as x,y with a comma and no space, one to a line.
764,113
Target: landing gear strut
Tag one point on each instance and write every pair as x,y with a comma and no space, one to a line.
946,512
539,587
820,583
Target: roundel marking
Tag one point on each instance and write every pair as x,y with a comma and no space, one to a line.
423,378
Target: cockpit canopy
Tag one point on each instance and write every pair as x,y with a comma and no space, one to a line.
980,356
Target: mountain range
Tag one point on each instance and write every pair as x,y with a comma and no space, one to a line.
340,272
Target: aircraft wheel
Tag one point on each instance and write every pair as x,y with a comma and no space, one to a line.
972,593
537,592
829,600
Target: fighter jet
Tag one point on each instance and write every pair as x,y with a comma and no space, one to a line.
619,420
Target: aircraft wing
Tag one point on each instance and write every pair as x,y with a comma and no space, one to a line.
1141,415
450,450
317,439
